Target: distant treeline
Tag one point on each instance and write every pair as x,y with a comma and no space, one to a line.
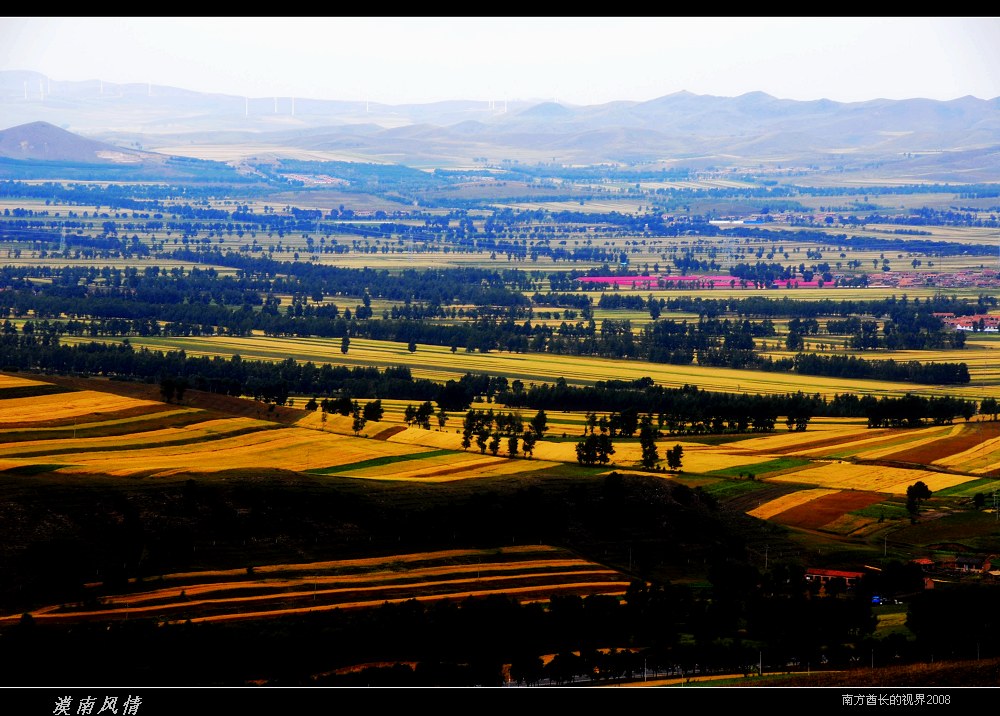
691,410
764,306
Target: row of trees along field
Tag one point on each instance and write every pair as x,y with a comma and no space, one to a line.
686,409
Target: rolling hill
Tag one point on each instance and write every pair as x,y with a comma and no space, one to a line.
952,140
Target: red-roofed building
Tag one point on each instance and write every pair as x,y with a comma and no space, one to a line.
823,576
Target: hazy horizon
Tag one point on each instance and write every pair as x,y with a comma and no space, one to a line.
572,60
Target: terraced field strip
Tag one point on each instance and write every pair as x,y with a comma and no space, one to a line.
30,391
393,561
716,460
890,449
981,455
524,594
973,435
43,408
379,462
202,431
762,469
786,502
869,478
105,428
471,469
985,485
535,571
284,589
284,447
16,381
848,447
982,460
791,441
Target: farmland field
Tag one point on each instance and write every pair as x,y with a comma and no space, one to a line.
363,410
278,590
439,363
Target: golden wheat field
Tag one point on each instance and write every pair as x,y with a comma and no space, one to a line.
325,444
790,442
884,443
16,381
81,403
85,423
286,447
205,430
874,478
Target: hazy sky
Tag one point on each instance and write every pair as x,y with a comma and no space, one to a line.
575,60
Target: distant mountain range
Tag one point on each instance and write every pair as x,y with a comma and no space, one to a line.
957,140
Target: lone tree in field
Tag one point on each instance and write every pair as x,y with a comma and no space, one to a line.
595,448
358,424
674,456
647,440
345,343
528,442
422,415
539,423
915,494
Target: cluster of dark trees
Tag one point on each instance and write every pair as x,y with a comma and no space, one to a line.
914,410
489,429
929,333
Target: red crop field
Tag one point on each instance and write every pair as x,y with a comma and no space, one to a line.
972,434
826,509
